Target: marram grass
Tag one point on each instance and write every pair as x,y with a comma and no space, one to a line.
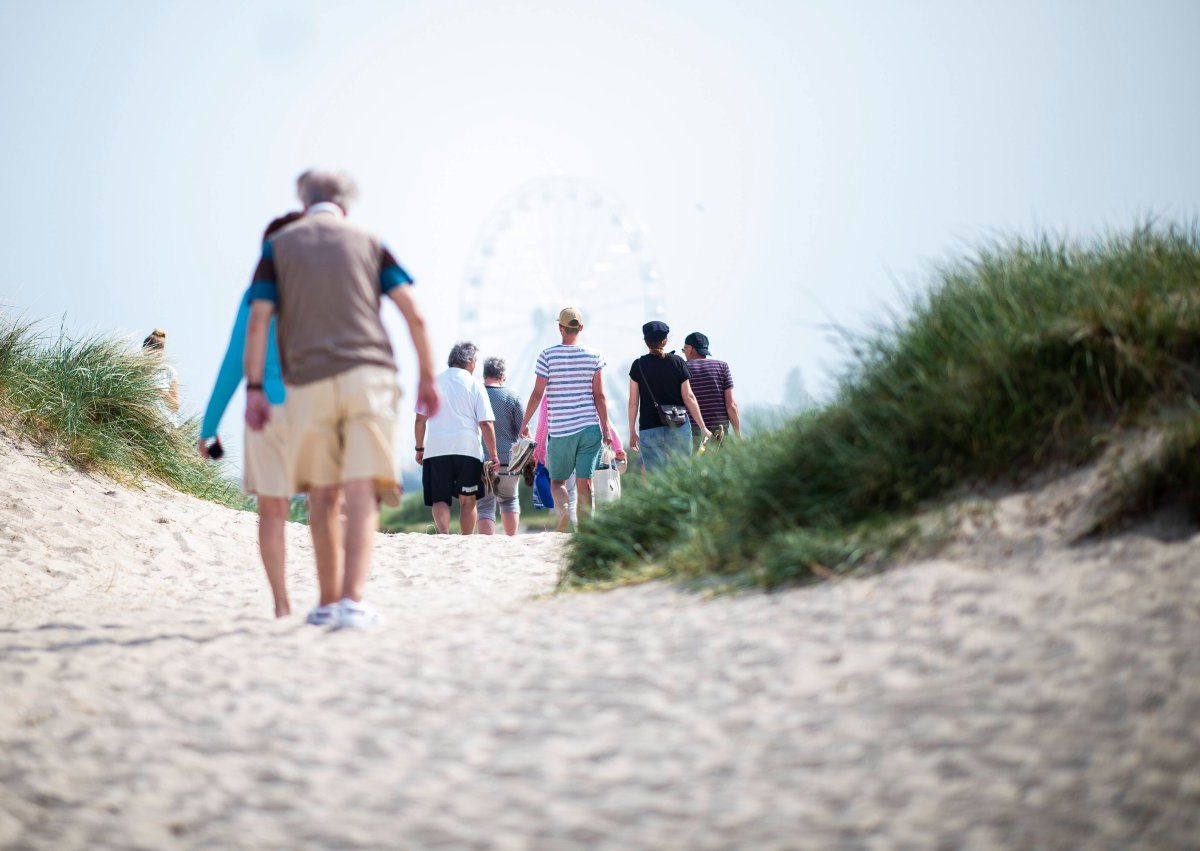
93,404
1025,354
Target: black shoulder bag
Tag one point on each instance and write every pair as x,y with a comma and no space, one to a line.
669,415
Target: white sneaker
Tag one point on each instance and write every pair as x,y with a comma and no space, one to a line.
352,615
326,615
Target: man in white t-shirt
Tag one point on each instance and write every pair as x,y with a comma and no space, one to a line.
448,447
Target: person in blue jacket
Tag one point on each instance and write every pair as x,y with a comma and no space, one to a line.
265,460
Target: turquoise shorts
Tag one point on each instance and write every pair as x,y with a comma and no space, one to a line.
577,453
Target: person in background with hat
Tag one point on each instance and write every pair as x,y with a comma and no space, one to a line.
660,378
713,386
570,376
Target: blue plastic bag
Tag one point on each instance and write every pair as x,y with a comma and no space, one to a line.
543,496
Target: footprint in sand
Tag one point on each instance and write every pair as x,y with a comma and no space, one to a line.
182,540
20,510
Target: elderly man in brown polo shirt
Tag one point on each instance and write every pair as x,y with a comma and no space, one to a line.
326,279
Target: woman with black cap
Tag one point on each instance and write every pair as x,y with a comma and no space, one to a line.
660,398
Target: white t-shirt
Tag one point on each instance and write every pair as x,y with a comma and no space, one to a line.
164,378
454,430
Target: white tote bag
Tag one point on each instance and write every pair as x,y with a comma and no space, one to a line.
606,481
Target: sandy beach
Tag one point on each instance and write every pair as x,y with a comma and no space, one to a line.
1016,693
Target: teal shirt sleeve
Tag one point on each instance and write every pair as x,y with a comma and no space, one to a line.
229,376
231,372
263,285
391,273
273,370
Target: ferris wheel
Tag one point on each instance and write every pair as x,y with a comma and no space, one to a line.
554,243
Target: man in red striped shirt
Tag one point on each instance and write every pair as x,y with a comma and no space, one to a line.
713,386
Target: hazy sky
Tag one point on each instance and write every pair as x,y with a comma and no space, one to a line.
788,164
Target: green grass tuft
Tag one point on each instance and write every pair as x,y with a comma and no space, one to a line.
93,403
1026,354
1164,471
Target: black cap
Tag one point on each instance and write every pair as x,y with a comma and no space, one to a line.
698,342
655,332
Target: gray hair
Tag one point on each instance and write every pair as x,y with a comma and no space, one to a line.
318,185
462,354
495,368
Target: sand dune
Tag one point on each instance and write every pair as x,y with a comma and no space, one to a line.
1016,693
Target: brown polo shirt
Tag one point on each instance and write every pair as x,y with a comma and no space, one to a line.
327,279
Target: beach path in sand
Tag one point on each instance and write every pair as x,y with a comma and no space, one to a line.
1033,696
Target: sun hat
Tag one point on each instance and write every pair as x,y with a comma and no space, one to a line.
697,341
570,317
655,332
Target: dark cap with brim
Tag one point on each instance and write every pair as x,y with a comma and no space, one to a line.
698,342
655,332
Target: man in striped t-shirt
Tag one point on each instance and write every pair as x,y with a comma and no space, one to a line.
569,375
713,386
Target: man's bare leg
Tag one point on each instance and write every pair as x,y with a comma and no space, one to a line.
362,522
486,527
272,518
562,504
510,521
325,524
441,517
466,515
585,499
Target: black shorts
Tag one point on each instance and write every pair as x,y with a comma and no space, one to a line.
447,477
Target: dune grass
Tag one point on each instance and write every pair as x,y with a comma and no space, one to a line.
93,404
1026,354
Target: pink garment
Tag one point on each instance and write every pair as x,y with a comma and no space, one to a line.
616,438
539,437
543,429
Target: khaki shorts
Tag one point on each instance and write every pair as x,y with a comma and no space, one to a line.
265,459
342,429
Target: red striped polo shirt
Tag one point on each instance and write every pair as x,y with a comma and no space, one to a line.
710,379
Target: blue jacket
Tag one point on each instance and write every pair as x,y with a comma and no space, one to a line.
231,373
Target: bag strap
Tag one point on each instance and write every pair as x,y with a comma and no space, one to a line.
647,380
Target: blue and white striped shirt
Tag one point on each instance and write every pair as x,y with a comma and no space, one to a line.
568,371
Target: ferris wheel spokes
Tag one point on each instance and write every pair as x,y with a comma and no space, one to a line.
551,243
